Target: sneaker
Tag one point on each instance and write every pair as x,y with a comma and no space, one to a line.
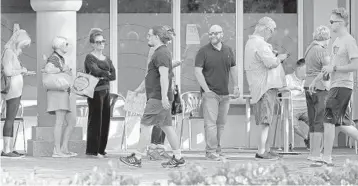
60,155
20,154
173,162
131,160
103,155
10,155
154,154
212,156
274,154
266,156
307,143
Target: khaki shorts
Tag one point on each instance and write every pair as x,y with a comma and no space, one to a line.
264,109
155,114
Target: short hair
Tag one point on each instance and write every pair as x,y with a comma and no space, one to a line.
265,22
322,33
162,33
58,42
300,62
342,13
94,32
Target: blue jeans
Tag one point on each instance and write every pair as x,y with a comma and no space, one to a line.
215,110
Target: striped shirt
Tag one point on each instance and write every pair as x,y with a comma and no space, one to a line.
259,59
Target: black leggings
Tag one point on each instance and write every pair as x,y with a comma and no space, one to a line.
12,107
158,136
98,122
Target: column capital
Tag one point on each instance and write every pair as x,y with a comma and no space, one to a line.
55,5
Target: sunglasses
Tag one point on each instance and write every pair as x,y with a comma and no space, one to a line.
214,33
100,42
331,21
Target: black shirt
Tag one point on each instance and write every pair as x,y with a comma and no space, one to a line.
160,57
216,67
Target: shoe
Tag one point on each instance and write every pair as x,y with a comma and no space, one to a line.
163,153
60,155
272,153
173,162
20,154
266,156
307,143
103,155
131,160
154,154
10,155
71,154
212,156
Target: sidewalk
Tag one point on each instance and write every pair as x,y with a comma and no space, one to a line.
52,169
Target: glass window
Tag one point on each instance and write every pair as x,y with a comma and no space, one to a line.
285,40
195,24
21,12
132,38
93,14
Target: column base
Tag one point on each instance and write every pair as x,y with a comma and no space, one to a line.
42,142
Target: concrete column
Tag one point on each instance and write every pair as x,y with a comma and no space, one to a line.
53,18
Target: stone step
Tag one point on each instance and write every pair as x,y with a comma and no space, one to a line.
45,148
46,133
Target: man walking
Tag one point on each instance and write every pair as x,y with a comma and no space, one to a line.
214,63
159,94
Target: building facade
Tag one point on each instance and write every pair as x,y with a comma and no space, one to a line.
126,23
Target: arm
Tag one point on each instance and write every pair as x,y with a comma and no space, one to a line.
233,70
176,63
112,72
92,68
199,65
7,64
164,81
266,55
140,87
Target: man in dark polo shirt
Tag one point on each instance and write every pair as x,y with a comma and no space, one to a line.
214,63
159,94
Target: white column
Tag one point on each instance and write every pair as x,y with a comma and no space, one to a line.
354,32
113,17
300,13
53,18
176,43
240,43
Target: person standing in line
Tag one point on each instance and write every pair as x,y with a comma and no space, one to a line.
156,149
100,66
214,63
344,63
13,69
58,101
259,59
317,57
159,97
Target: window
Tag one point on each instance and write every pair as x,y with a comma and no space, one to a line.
208,6
16,6
270,6
144,6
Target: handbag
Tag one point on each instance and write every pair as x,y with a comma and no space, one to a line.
84,84
176,104
59,81
5,80
276,77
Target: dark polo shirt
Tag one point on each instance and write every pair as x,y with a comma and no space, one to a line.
160,57
216,67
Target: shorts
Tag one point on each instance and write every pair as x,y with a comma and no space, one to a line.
155,114
316,106
264,109
337,111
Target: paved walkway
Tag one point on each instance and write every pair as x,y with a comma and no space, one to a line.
52,169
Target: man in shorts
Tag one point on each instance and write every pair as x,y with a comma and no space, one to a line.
259,59
344,63
159,94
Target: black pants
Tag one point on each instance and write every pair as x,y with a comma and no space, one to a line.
98,122
316,105
12,107
158,136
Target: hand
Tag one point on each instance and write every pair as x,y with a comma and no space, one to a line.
23,70
165,103
275,52
177,63
312,88
236,92
30,73
327,69
282,57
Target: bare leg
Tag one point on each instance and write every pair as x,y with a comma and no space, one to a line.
144,140
350,131
329,135
57,133
264,144
71,122
173,140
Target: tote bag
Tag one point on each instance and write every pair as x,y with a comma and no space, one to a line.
84,84
60,81
276,77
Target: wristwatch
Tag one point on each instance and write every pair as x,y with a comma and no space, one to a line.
334,68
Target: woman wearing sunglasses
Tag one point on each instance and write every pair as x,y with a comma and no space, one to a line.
100,66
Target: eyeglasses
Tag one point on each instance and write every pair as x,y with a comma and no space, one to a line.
67,44
149,35
331,21
214,33
100,42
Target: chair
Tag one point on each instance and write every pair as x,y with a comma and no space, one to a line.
19,118
191,103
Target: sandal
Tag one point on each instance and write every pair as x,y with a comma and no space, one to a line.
60,155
